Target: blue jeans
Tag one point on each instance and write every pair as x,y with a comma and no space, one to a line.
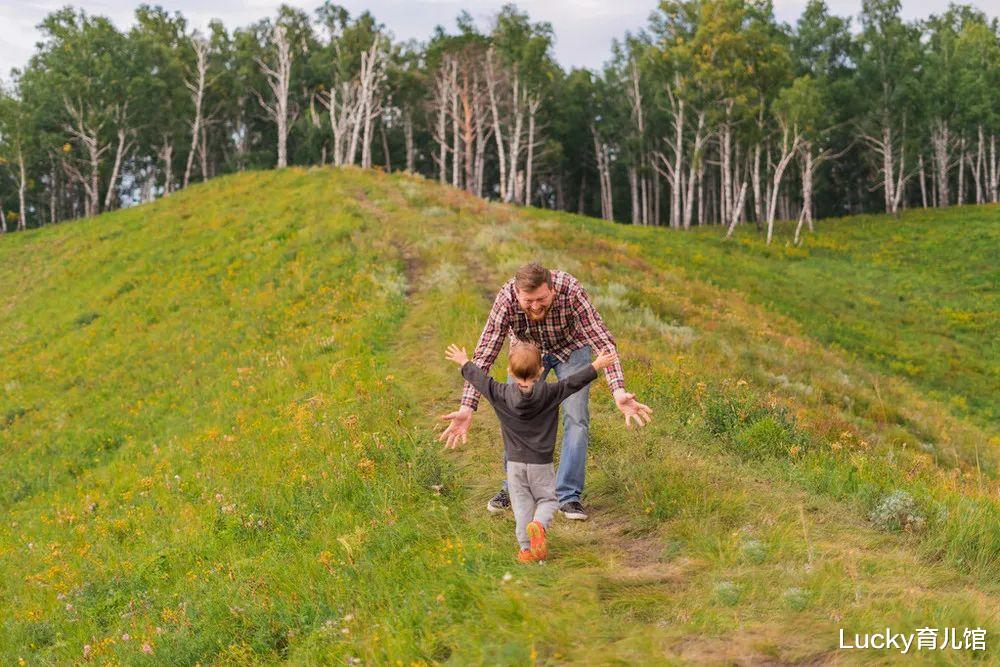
576,427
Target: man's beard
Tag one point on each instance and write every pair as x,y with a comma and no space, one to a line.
539,316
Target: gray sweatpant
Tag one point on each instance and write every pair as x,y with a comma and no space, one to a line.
532,489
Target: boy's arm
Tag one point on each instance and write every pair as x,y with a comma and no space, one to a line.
489,345
570,385
483,383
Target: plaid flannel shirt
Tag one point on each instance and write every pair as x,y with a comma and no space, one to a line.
570,323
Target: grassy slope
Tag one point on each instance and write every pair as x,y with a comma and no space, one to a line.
217,440
916,296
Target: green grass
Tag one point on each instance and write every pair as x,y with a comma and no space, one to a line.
218,432
915,297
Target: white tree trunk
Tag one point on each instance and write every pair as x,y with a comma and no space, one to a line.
22,183
197,88
923,182
977,169
692,173
807,168
87,134
633,186
53,184
960,199
167,155
408,133
656,198
942,148
279,80
203,153
725,175
341,101
113,180
442,95
787,151
640,213
894,176
604,176
887,170
736,209
994,170
515,138
479,173
901,179
533,105
677,184
456,141
491,85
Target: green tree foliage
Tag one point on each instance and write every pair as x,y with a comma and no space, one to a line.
713,113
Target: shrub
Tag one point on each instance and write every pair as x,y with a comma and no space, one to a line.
753,551
796,598
85,319
727,593
897,511
763,438
727,414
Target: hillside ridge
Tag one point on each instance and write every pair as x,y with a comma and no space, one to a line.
220,415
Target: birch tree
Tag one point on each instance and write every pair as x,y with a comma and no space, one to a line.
886,67
196,84
15,137
278,76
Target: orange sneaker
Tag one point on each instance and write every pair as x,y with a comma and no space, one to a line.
536,532
525,556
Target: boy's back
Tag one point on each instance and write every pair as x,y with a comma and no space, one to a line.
529,415
528,420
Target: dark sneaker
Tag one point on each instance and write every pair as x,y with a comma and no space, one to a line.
573,510
499,503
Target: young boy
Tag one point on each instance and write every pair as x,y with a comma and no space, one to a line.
528,410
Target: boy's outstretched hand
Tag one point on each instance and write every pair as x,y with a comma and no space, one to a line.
605,359
456,354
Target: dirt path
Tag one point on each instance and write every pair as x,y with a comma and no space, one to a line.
625,589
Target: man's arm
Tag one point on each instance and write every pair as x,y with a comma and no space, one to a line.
596,333
489,345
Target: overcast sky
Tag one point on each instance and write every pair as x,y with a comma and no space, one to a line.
583,28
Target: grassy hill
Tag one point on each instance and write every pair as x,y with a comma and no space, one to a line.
218,433
915,296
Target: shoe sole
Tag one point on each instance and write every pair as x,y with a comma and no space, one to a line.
574,516
536,533
492,509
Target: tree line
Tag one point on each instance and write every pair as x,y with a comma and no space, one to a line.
713,113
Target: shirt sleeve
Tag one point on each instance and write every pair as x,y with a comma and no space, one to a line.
490,343
572,384
596,333
483,383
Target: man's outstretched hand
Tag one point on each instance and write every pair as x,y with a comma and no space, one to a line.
458,428
632,409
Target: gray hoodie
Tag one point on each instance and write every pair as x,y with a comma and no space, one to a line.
528,420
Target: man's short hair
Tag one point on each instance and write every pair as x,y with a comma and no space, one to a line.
532,276
525,361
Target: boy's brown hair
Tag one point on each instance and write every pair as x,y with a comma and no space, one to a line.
525,361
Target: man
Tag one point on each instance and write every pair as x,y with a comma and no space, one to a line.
552,310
